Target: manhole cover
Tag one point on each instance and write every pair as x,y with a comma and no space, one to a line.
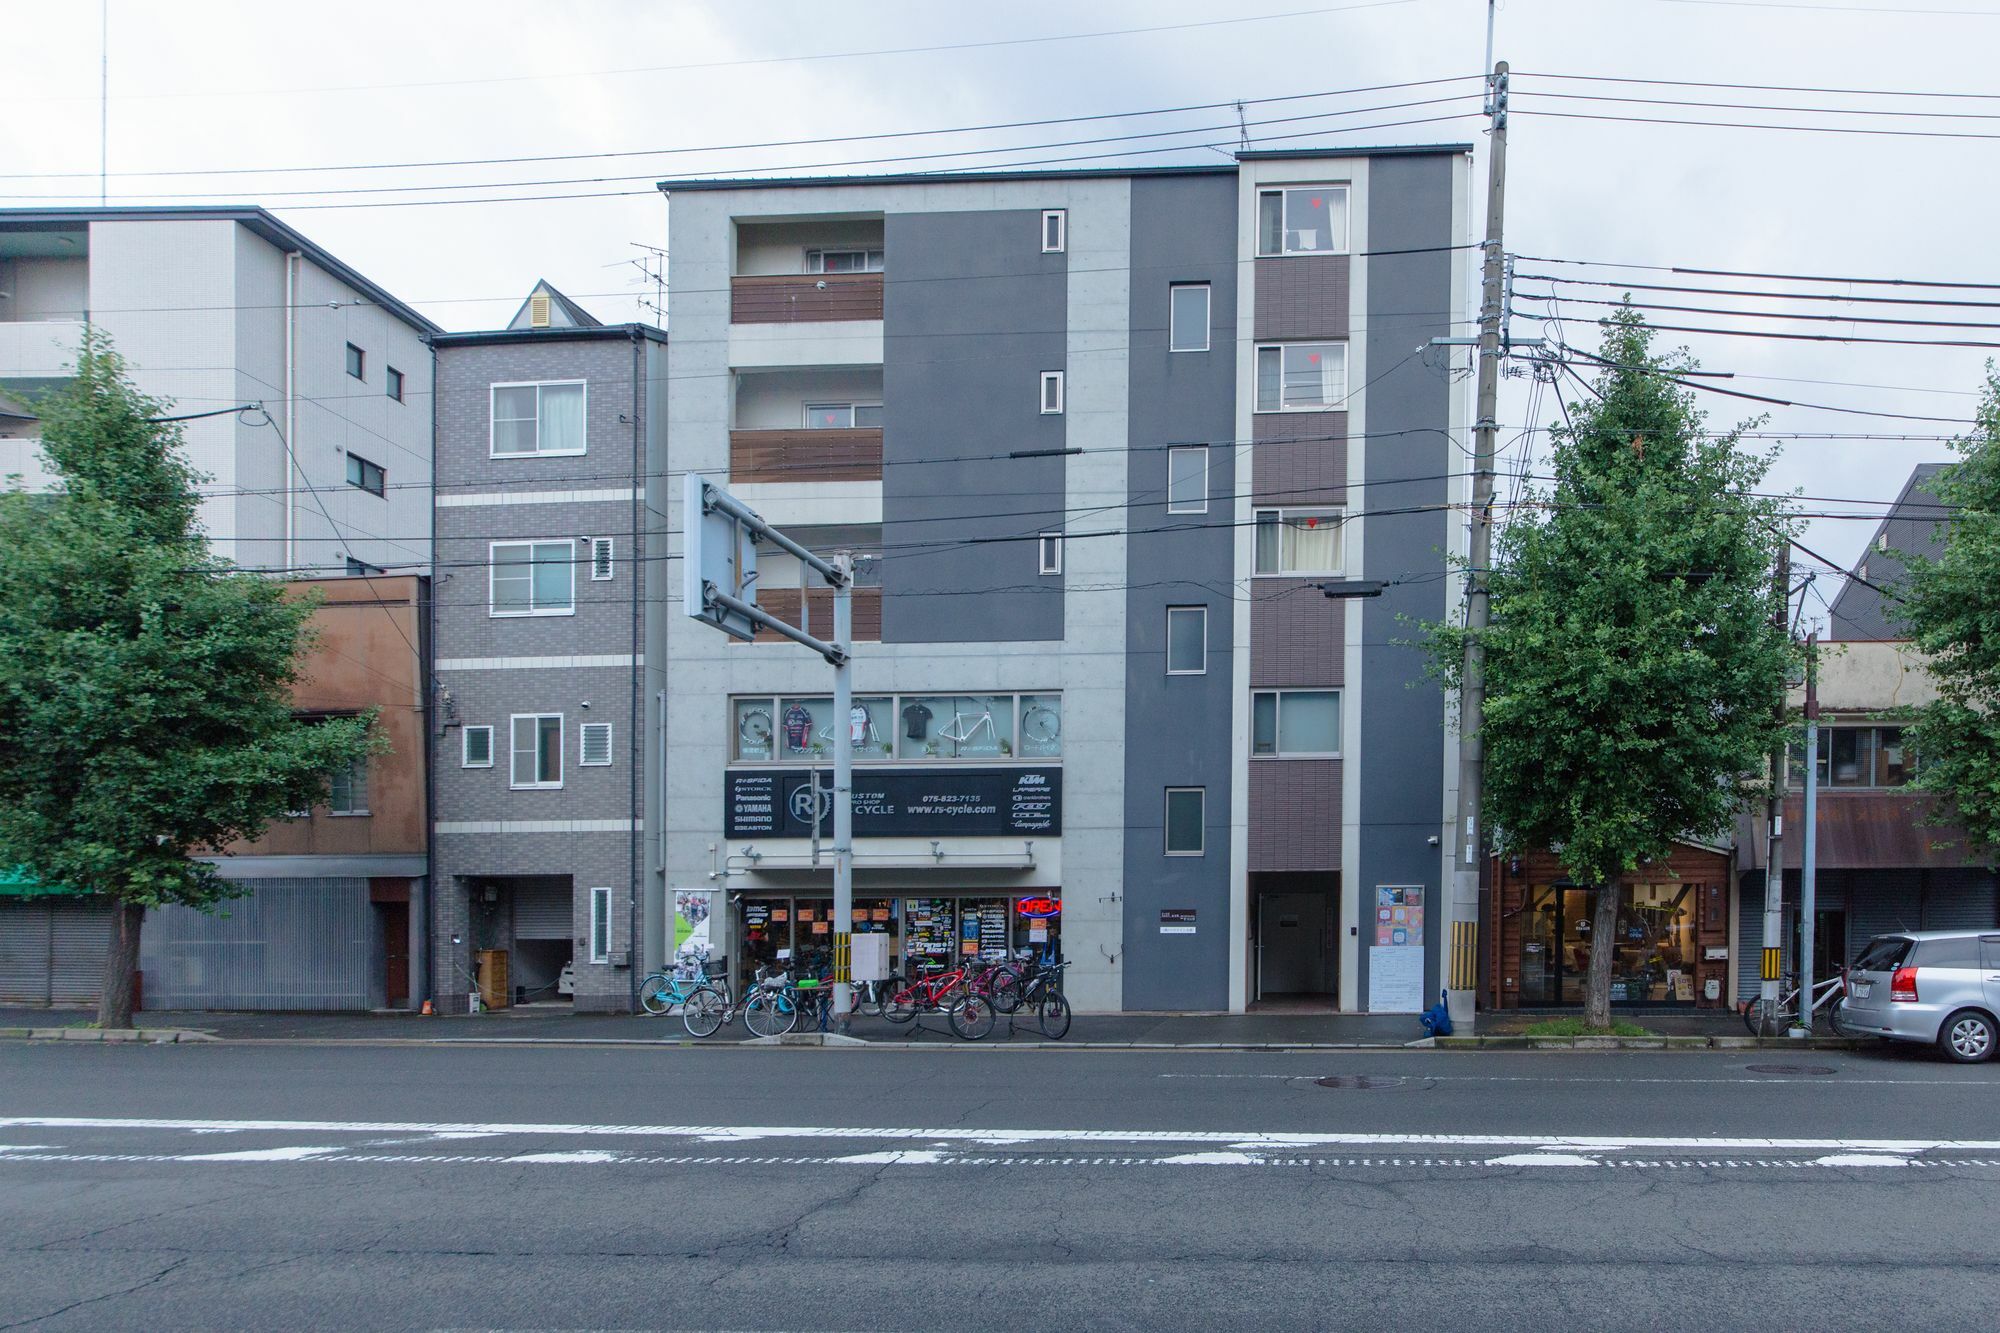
1793,1070
1358,1082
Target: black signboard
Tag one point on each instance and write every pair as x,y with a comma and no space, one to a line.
893,803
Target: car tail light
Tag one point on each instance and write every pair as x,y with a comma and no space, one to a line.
1903,986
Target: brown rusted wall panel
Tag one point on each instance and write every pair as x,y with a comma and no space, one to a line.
1297,635
1294,814
1299,458
806,455
790,300
1302,296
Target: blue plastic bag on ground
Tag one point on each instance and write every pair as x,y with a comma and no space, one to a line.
1437,1019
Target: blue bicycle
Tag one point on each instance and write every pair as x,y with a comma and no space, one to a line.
665,991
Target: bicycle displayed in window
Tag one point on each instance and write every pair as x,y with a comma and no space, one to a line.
962,729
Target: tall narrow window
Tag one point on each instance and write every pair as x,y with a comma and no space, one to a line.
1187,317
392,379
600,925
600,559
1185,818
1052,392
537,751
478,748
1050,552
1187,640
533,578
1055,230
349,790
1187,480
594,745
357,362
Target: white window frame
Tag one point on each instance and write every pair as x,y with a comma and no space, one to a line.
1256,378
806,411
492,435
1049,553
600,924
1177,451
1168,654
1339,517
1060,217
465,759
1207,314
583,759
602,557
1052,379
1340,242
1278,724
362,765
514,751
1166,822
493,570
872,258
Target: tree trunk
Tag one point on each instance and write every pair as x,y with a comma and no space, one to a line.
1603,930
121,966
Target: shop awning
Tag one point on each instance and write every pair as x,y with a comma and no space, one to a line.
18,883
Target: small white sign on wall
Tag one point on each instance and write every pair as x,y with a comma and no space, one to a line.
1395,979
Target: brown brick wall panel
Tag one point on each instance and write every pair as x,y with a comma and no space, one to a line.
1299,458
785,299
806,455
1297,635
1302,296
1294,814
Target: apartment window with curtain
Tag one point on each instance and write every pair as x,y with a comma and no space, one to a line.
1858,757
1187,317
533,578
1295,724
1302,220
537,751
1302,377
538,420
843,416
843,261
1298,541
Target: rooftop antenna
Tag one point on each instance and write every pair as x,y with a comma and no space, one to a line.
1242,130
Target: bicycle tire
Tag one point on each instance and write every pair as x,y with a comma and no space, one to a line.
901,1005
868,998
971,1018
1003,987
1753,1016
1041,724
767,1014
1053,1016
703,1013
753,735
656,994
1834,1022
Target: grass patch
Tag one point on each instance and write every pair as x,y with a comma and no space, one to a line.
1577,1027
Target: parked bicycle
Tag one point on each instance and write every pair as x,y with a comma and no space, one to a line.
1826,999
970,1014
662,992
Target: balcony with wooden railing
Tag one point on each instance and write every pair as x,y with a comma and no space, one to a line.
784,604
801,298
851,454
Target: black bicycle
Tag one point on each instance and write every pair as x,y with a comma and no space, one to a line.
1036,987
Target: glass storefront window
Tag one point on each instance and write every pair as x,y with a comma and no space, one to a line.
960,726
905,728
1041,726
1653,952
805,728
930,926
756,728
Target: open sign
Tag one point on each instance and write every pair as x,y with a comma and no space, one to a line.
1038,909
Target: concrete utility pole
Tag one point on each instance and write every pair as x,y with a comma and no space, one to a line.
843,789
1463,971
1774,824
1808,889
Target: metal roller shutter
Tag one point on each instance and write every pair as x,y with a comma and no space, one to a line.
24,952
80,940
1959,899
544,912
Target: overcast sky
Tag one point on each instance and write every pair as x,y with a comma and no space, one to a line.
197,85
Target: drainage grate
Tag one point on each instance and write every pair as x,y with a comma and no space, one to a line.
1793,1070
1359,1082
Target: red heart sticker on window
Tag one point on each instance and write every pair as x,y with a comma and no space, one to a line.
1313,357
1316,201
1312,522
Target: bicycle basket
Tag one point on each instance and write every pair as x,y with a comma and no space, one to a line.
715,971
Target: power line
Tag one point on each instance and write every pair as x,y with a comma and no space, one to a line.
1674,378
1776,277
1748,125
1757,87
1841,297
1766,106
1763,314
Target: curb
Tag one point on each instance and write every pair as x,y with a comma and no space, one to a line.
131,1036
1524,1043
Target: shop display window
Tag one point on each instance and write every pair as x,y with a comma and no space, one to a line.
1653,953
961,726
900,728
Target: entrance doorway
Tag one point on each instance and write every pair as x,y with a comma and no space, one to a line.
1294,946
395,923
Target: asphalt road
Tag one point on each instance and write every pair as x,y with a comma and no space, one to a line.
300,1185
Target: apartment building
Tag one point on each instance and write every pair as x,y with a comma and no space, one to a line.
1101,441
547,432
1883,864
219,307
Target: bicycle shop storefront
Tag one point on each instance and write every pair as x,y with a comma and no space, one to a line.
938,928
1670,948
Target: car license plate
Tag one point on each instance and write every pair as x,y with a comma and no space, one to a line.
1860,989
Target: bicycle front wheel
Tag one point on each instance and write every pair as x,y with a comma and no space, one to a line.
767,1014
703,1013
1753,1017
901,1005
1834,1022
1005,988
972,1017
656,994
1052,1015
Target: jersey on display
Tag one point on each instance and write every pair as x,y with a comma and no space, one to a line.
798,726
857,724
917,720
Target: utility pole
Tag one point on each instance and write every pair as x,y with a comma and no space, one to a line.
1774,824
1463,915
843,788
1808,889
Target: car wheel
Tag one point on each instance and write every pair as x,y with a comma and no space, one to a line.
1968,1037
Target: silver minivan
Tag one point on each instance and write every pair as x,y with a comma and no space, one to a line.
1933,986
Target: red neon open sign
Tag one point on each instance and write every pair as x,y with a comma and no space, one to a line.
1038,909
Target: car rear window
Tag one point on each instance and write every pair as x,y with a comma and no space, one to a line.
1955,951
1885,953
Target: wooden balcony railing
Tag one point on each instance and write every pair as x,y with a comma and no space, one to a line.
784,604
806,455
787,298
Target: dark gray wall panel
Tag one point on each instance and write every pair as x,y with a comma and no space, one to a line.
1177,728
1402,710
961,369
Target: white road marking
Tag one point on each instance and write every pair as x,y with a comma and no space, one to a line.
262,1155
1543,1159
914,1157
1819,1080
569,1157
1860,1159
1225,1140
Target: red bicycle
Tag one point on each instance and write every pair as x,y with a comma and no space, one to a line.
951,992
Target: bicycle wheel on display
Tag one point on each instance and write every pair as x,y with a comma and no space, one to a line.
1004,988
767,1014
1041,724
1052,1016
656,994
972,1017
703,1013
755,728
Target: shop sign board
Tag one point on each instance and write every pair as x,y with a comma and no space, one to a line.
920,803
1177,921
1039,909
1396,958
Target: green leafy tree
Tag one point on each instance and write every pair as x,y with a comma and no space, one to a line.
1636,655
145,706
1950,607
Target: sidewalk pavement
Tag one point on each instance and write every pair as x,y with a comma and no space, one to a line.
536,1023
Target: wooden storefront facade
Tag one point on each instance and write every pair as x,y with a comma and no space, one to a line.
1672,948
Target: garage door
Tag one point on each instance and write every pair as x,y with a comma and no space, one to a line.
52,950
543,911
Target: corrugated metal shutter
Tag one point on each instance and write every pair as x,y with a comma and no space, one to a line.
287,944
544,912
24,952
1883,902
1960,899
80,940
